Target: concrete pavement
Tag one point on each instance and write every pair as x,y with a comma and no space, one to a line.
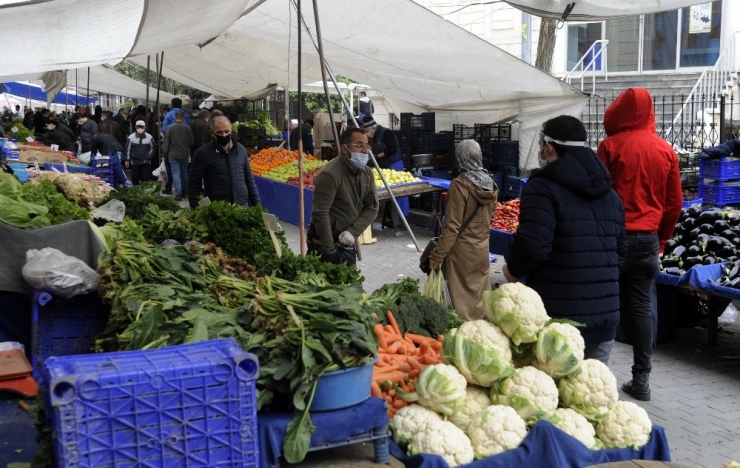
695,388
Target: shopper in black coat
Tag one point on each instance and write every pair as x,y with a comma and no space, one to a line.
571,237
222,167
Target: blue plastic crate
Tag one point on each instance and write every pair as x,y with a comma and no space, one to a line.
192,405
695,201
505,153
74,168
63,327
513,186
498,178
719,169
719,195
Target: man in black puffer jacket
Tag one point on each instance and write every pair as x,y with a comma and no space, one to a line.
222,167
571,237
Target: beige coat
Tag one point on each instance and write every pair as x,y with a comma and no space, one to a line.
464,259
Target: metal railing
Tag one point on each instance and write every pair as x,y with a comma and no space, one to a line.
596,51
691,133
713,83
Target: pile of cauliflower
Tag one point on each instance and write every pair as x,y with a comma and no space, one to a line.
500,377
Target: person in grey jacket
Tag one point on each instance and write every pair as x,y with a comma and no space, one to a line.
139,152
176,147
88,129
223,168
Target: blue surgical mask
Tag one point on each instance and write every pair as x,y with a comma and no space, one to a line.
358,159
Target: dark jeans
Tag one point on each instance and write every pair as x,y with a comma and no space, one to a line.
348,256
141,173
168,184
600,351
636,284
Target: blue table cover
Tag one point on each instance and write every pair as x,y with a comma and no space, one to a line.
331,427
702,278
441,183
500,241
547,446
281,200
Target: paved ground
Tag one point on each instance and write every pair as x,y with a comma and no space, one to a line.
695,388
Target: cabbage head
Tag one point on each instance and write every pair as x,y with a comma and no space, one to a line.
480,351
559,350
440,388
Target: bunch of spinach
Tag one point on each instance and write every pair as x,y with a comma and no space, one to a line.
138,198
160,224
45,193
289,266
305,331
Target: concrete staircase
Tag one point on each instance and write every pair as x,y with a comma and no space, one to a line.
673,84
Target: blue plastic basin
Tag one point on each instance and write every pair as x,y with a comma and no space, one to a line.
343,388
22,175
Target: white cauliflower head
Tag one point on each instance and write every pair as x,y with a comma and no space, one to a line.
445,439
518,310
476,400
625,425
559,350
531,392
409,420
480,351
441,388
574,424
497,429
591,392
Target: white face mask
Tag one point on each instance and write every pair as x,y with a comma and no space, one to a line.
358,159
371,134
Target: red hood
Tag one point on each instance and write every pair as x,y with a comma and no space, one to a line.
632,110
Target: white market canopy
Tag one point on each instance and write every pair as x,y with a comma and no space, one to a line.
418,61
598,9
39,36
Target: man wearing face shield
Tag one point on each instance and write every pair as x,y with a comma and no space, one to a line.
571,239
344,201
222,168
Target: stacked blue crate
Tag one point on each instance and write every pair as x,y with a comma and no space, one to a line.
190,405
105,167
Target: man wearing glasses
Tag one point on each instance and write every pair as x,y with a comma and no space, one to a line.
344,201
222,168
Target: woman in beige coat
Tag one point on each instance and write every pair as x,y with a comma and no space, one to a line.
464,257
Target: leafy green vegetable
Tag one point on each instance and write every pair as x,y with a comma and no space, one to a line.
23,214
240,232
159,225
45,193
290,266
128,230
138,198
21,132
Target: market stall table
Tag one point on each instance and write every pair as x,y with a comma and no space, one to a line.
703,279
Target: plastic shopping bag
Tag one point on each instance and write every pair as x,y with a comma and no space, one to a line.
436,288
161,172
53,271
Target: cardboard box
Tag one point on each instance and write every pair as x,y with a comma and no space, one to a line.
30,155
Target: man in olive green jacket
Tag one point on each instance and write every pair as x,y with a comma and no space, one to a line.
344,201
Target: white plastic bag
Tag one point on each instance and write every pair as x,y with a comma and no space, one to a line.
114,211
729,315
161,172
53,271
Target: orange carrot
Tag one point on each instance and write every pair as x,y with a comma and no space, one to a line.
414,373
392,321
395,347
380,333
399,403
393,376
389,329
436,345
419,339
375,390
414,363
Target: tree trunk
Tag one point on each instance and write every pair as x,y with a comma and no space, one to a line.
546,44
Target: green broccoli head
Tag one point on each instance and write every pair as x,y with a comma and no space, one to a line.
435,316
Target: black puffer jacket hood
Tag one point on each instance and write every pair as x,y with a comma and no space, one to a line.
580,171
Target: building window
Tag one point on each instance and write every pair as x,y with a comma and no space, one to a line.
623,52
700,34
580,37
659,41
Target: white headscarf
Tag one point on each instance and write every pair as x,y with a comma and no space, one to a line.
469,160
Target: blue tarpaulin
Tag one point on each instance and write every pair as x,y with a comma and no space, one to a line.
703,278
547,446
28,91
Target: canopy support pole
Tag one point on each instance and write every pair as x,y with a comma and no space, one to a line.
372,156
88,90
77,92
148,67
159,64
301,211
323,72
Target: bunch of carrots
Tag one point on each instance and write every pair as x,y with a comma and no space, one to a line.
271,158
401,357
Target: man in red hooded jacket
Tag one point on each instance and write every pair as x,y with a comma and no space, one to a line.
645,174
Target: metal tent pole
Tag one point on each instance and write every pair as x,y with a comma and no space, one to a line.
159,64
88,90
372,156
301,211
148,67
323,72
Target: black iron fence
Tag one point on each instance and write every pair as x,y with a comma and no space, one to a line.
704,122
